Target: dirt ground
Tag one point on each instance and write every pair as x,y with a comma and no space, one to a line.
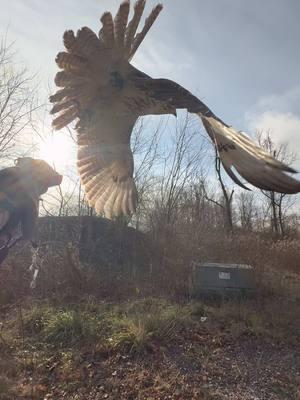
215,357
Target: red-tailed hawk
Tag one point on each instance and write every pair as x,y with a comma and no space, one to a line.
101,89
20,189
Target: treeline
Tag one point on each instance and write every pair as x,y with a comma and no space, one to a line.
180,183
178,173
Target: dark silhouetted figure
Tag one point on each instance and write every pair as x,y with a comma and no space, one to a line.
20,190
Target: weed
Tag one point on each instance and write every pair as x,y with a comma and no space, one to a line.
197,309
35,319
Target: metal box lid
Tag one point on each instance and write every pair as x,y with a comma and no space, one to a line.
221,265
219,276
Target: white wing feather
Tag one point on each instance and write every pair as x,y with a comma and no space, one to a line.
238,151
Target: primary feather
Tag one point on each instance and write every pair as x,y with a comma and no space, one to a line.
107,95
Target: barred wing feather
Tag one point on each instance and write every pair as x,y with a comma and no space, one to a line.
105,163
255,165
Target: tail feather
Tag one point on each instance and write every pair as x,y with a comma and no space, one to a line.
105,191
88,170
125,200
118,205
103,196
96,186
113,198
107,207
132,198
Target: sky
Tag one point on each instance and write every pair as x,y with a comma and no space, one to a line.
240,57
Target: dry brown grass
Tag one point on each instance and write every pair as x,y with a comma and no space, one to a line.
64,278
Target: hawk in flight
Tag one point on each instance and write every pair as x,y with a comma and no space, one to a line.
21,187
106,94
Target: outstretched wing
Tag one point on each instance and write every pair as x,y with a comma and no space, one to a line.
107,94
255,165
94,89
235,149
90,61
105,162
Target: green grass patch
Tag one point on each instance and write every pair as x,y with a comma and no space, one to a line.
68,327
142,327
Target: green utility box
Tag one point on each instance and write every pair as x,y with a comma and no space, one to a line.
223,279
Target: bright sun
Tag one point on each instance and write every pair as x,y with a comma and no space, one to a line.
57,150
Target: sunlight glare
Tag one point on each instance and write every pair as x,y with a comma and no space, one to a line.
57,150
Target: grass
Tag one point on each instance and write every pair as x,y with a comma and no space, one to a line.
139,332
60,327
138,326
68,327
260,319
151,348
44,337
52,341
132,326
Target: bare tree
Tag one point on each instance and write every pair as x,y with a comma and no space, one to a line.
247,210
17,101
225,203
277,203
145,144
182,164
